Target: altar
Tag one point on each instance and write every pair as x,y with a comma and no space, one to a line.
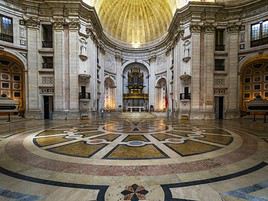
135,108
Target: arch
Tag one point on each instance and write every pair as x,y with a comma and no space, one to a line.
157,80
12,78
135,86
109,94
161,91
253,80
128,63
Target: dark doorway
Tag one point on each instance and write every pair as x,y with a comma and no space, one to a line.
48,107
219,106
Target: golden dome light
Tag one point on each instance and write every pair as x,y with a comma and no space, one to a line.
135,22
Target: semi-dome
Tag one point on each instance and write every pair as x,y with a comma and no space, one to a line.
135,22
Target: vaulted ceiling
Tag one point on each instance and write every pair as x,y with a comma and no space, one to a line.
135,22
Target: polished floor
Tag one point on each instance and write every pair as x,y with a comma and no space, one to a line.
133,157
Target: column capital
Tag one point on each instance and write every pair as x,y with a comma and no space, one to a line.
73,23
195,28
233,28
58,23
209,28
32,21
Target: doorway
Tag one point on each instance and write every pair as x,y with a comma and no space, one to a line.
48,107
219,107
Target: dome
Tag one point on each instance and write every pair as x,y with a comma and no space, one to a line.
135,22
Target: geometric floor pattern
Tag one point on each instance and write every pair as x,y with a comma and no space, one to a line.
128,158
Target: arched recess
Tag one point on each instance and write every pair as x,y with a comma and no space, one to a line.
135,87
12,78
254,80
109,94
161,97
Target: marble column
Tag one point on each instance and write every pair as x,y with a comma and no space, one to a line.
73,61
152,78
233,83
34,42
59,69
195,85
208,76
119,83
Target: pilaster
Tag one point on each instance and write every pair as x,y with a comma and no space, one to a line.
208,76
33,29
196,76
60,103
73,25
233,90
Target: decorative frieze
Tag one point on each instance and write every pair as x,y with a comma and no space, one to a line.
46,90
47,80
219,82
220,91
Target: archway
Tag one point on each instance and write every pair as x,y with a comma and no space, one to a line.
135,88
254,80
12,79
109,94
161,97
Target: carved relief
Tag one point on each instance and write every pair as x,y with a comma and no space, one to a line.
47,81
110,62
219,82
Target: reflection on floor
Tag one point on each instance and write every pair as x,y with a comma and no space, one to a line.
127,157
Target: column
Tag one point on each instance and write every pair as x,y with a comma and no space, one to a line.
208,77
195,85
119,83
59,68
233,87
34,42
73,67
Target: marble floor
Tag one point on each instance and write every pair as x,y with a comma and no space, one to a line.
134,157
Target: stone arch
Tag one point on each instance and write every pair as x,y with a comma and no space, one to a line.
109,94
135,97
161,90
12,78
253,80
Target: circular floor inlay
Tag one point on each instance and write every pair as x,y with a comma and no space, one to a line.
126,140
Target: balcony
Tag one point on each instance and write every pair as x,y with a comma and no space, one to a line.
47,65
262,41
47,44
184,96
219,47
7,38
84,95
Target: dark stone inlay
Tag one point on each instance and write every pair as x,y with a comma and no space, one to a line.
102,188
134,193
166,187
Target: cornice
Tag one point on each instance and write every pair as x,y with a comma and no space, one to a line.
201,16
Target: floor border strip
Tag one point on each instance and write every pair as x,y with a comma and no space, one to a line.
166,187
102,188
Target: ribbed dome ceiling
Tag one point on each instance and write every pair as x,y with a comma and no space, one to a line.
135,22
